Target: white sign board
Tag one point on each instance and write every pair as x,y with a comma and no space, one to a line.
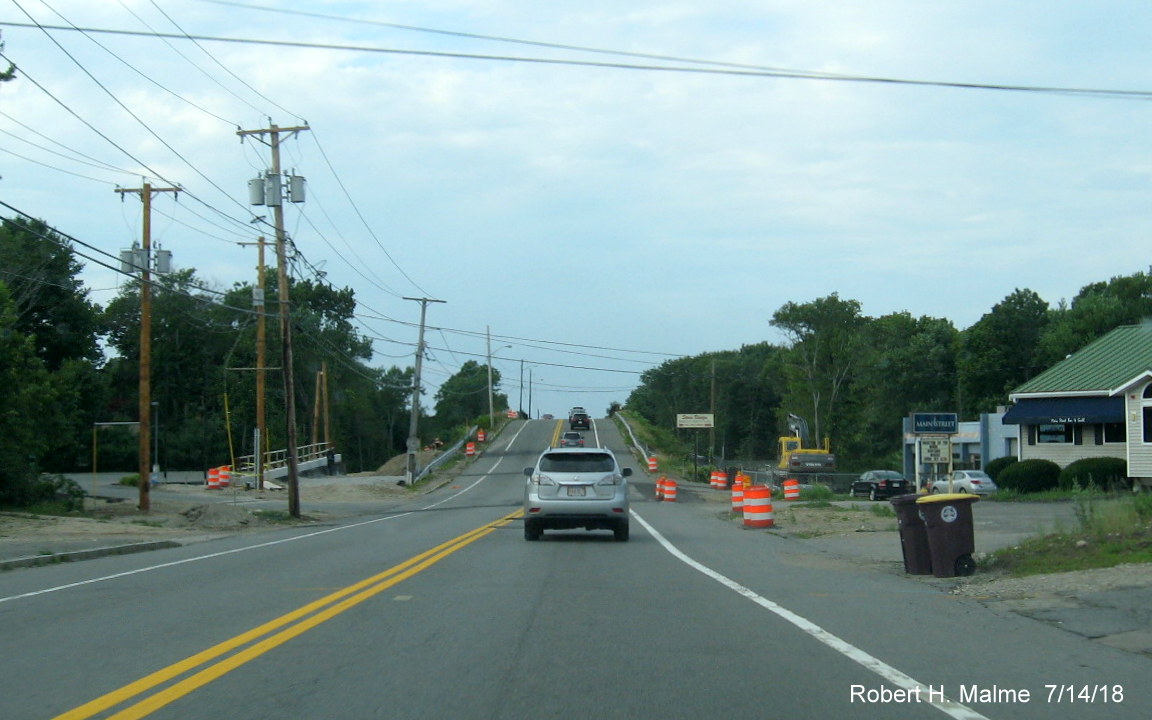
937,451
697,420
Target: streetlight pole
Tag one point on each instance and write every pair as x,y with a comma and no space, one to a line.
530,392
491,406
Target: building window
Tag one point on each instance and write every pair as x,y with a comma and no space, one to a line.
1146,413
1058,432
1114,432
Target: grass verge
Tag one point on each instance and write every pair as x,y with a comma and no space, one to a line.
1111,530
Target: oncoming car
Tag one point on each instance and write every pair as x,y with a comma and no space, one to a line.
576,487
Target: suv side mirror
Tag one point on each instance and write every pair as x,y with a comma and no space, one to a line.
529,470
626,472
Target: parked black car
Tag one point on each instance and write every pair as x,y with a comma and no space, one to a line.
879,484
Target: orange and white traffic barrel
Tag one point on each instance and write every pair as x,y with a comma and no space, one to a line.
791,489
214,478
652,464
225,474
758,507
480,436
738,495
669,490
660,487
470,449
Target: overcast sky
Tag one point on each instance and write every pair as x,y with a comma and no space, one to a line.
599,216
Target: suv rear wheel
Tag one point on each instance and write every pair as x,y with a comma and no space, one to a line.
621,532
532,531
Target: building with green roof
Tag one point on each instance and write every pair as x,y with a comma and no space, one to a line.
1097,402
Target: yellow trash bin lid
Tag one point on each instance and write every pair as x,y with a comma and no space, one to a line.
946,497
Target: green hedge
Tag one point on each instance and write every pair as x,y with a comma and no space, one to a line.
1030,476
1105,473
995,467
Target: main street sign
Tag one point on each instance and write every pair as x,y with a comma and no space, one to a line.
934,424
694,420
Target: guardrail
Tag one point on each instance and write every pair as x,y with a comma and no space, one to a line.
445,455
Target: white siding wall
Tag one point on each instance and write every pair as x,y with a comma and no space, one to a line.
1139,453
1064,454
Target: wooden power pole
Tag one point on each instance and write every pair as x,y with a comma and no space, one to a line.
274,198
145,402
413,438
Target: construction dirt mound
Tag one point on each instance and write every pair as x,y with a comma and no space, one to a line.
399,464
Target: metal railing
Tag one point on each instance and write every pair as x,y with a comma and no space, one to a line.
277,460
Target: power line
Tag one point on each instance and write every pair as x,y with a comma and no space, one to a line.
735,72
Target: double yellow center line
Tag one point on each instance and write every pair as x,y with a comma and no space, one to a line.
231,654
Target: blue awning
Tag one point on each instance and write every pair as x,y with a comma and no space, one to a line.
1074,410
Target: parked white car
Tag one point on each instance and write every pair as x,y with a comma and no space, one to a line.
973,482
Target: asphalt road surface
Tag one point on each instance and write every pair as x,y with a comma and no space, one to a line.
440,609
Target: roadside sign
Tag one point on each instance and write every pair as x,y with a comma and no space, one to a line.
935,450
935,423
694,420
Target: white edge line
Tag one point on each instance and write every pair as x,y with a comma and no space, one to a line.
210,556
884,670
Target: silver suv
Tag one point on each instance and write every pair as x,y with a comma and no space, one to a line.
576,487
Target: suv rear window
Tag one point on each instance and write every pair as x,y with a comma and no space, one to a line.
577,463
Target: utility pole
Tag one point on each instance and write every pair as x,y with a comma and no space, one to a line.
413,439
272,194
261,438
491,411
712,409
320,408
145,400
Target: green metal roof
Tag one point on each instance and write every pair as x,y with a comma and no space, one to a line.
1099,367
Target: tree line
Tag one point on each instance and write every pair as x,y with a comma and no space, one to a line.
69,371
854,377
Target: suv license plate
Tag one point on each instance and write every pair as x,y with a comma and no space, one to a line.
576,491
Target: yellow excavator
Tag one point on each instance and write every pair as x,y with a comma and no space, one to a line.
796,457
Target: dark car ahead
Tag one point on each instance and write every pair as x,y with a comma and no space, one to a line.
579,421
879,484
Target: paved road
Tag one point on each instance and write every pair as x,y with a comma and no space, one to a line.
440,609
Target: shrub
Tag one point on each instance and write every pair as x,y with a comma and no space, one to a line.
1142,503
66,493
995,467
1030,476
817,493
1105,473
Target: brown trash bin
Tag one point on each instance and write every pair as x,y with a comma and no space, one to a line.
913,535
951,541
